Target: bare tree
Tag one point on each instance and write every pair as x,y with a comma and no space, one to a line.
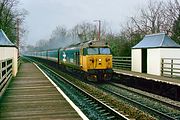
157,17
172,11
85,31
151,18
42,44
58,37
9,13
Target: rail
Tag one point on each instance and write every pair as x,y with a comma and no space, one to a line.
122,62
170,67
157,108
5,74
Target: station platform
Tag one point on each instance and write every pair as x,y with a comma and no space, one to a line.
31,95
163,86
168,80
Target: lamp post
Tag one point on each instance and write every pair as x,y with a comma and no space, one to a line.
99,31
17,34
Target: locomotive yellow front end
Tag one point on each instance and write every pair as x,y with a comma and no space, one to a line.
96,61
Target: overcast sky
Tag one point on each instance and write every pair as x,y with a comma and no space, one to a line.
45,15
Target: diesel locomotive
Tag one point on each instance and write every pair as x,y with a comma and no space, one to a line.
93,59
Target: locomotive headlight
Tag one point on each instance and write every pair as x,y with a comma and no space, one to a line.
99,60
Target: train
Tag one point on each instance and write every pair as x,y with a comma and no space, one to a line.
92,58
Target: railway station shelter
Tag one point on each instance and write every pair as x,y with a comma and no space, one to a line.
147,54
8,51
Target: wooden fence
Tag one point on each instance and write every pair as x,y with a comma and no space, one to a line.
5,74
170,67
122,63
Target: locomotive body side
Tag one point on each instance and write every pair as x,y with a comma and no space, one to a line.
70,57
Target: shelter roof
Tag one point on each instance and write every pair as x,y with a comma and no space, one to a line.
4,41
160,40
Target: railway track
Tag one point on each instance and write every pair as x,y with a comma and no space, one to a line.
159,109
152,97
93,108
159,114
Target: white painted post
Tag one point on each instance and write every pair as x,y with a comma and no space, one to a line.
171,67
0,70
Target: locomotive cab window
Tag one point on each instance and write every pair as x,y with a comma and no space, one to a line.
92,51
96,51
104,50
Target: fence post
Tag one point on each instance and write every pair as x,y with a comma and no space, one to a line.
162,66
171,67
0,70
122,62
5,74
6,64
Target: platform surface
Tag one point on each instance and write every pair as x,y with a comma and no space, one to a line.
30,95
149,77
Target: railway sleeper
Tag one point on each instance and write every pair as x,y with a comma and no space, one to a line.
101,111
105,114
91,102
86,99
177,117
97,108
95,105
111,117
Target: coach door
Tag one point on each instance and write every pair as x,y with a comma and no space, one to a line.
77,58
144,60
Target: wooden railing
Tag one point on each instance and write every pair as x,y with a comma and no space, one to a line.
19,61
170,67
122,63
5,74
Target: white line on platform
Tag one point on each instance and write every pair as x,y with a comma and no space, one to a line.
81,114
